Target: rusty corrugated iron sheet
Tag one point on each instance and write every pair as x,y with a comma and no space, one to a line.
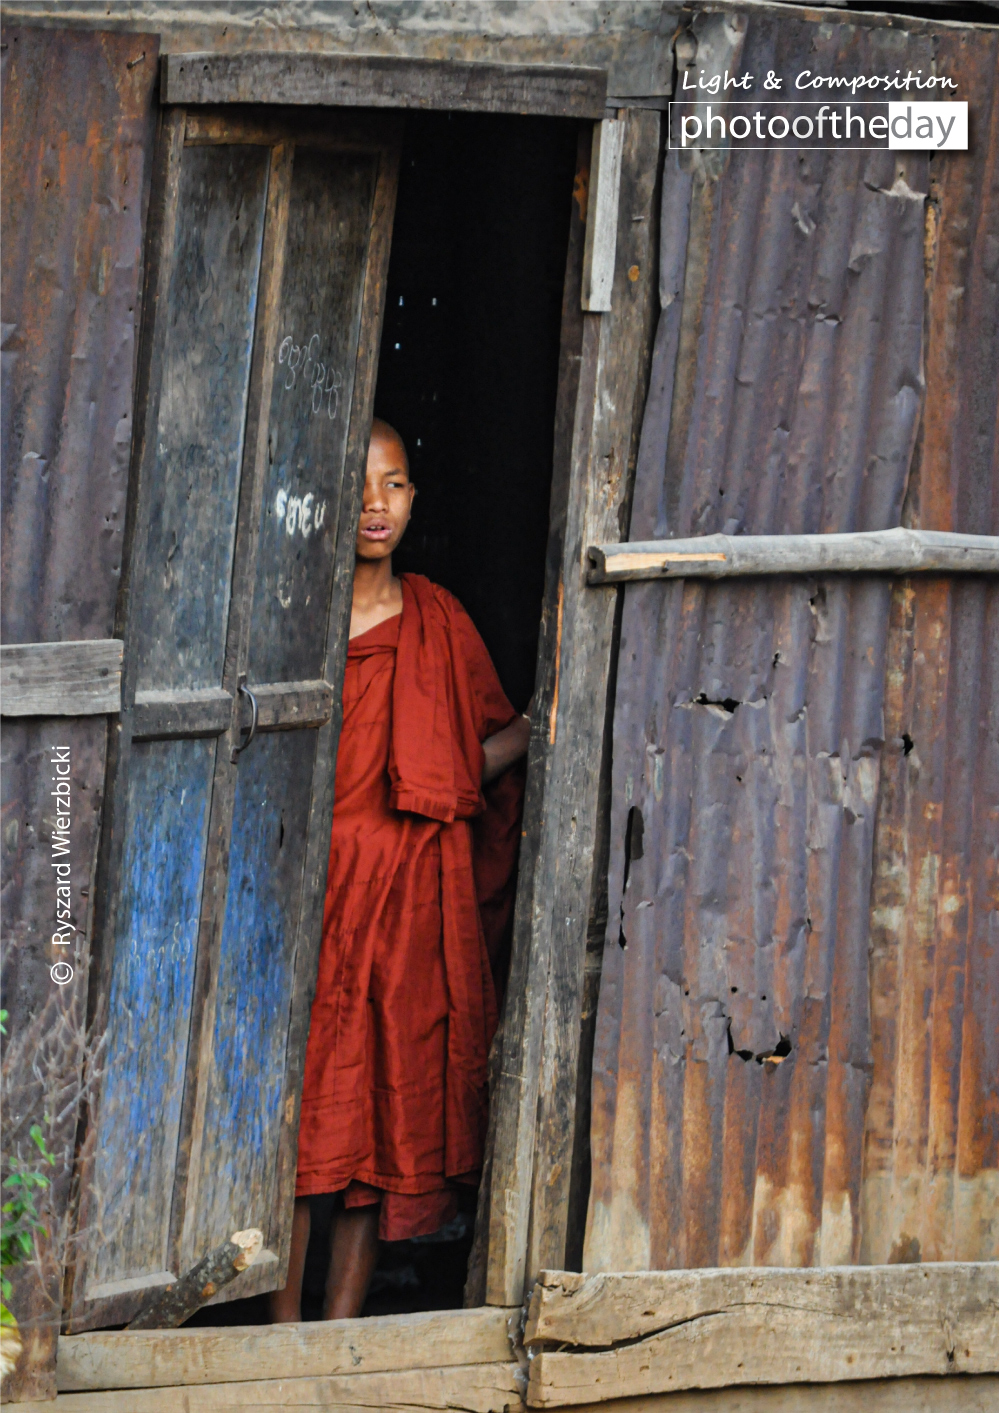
931,1167
735,1051
76,145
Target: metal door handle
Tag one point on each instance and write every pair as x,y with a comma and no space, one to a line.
242,687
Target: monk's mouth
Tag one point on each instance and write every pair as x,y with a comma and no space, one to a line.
376,532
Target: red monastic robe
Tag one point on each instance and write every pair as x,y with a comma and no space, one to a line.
395,1091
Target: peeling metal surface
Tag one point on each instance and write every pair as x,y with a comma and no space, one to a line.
757,1073
630,38
77,137
931,1166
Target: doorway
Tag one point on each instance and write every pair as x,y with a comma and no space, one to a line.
468,374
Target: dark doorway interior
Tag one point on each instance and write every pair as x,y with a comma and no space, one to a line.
467,374
469,361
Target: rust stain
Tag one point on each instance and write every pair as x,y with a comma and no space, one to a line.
553,714
796,1059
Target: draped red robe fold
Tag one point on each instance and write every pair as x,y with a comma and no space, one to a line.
395,1093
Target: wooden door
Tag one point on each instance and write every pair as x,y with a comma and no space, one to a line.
269,248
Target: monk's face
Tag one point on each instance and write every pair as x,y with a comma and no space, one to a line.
388,498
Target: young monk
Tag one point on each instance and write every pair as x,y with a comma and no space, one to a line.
394,1099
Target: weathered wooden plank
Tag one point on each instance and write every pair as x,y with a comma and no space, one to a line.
163,216
150,1002
665,1330
61,679
162,1358
961,1393
242,1069
190,516
600,251
380,81
897,551
283,706
200,711
538,1087
207,711
262,372
477,1388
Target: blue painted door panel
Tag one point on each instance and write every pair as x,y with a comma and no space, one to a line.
144,1061
256,973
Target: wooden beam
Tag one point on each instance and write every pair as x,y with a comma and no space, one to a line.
125,1359
535,1099
654,1332
897,551
484,1388
963,1393
61,679
289,706
600,251
199,711
384,81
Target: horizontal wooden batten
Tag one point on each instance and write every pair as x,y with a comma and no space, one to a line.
897,551
127,1359
207,711
595,1338
61,679
283,706
384,81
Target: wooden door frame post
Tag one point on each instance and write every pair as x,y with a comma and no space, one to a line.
536,1160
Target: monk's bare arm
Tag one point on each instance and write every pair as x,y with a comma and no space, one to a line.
504,748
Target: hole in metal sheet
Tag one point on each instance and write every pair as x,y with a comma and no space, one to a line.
907,743
728,704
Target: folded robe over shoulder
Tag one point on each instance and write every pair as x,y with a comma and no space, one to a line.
395,1092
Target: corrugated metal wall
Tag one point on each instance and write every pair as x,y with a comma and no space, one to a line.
77,138
786,1071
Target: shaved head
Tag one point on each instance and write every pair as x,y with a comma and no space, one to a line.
382,432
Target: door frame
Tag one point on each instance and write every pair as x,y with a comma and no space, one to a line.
535,1181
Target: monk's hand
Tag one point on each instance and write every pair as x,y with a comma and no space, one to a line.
500,751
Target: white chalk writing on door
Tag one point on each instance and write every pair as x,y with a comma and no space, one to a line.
304,368
301,515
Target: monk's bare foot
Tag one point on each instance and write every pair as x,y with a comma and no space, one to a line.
286,1305
353,1257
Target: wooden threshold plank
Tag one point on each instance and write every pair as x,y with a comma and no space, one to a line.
384,81
653,1332
478,1388
61,679
133,1359
960,1393
897,551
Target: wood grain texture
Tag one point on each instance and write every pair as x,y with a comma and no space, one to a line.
961,1393
163,1358
170,1307
190,514
379,81
666,1330
538,1088
600,251
490,1245
162,225
198,711
285,706
476,1388
61,679
897,551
